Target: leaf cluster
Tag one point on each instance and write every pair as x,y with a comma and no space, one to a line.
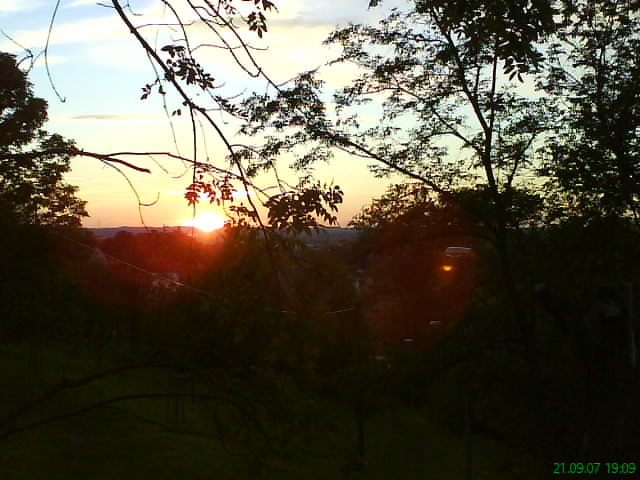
256,19
513,27
215,190
297,210
186,68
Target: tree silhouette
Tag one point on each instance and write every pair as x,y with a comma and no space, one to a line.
33,161
595,76
448,111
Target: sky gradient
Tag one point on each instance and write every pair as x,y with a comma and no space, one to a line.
97,72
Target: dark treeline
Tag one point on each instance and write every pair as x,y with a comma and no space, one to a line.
387,322
576,277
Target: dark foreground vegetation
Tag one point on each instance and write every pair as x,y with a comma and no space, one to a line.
154,355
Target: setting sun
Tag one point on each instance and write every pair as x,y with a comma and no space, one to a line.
206,221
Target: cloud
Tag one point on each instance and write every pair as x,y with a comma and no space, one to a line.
51,60
78,32
294,40
237,195
12,6
120,54
102,24
115,117
104,30
297,48
295,36
79,3
290,49
329,13
174,192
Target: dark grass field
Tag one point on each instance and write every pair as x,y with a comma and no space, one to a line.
137,439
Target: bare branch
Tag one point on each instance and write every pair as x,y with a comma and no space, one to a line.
67,384
65,416
109,158
46,52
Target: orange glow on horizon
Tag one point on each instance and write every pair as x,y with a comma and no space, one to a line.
206,221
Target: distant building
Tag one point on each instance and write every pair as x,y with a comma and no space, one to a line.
163,283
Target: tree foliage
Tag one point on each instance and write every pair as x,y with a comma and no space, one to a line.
438,90
32,183
594,74
515,28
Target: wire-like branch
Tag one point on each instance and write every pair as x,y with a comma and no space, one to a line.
451,129
64,385
65,416
46,52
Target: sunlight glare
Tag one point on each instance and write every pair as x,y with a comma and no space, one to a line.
206,221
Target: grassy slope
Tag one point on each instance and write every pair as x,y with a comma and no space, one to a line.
115,443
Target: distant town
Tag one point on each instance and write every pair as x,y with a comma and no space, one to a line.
325,236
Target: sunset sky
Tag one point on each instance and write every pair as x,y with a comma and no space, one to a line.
98,69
